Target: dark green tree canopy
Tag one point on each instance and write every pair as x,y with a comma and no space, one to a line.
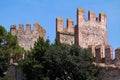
67,62
8,48
58,62
3,33
33,66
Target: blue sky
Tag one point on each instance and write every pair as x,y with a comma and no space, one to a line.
45,12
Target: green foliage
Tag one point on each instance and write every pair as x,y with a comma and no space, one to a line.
8,48
58,62
65,62
32,66
39,49
4,78
13,47
57,42
2,34
3,54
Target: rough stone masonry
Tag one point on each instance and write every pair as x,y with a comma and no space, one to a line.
91,33
27,38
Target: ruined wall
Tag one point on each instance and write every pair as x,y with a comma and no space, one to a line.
27,38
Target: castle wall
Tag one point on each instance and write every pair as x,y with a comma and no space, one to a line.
66,38
98,54
91,31
13,29
65,35
28,29
109,74
108,55
20,30
91,36
27,38
70,26
117,57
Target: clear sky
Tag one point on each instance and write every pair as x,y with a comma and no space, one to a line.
45,12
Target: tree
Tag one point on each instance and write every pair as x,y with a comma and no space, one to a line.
58,62
15,51
32,66
8,48
65,62
3,54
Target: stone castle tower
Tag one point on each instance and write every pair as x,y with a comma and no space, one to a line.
27,38
91,33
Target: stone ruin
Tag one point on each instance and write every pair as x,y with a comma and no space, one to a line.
91,33
28,37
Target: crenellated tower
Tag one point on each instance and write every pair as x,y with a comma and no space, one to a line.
87,33
92,31
27,38
80,21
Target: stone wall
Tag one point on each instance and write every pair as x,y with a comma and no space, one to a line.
65,35
110,70
117,57
108,55
86,33
109,74
66,38
92,31
91,36
27,38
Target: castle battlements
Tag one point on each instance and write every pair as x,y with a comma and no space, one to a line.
86,32
65,33
60,27
28,37
91,33
91,16
93,21
20,30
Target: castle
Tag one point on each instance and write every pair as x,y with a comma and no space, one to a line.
91,33
27,38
